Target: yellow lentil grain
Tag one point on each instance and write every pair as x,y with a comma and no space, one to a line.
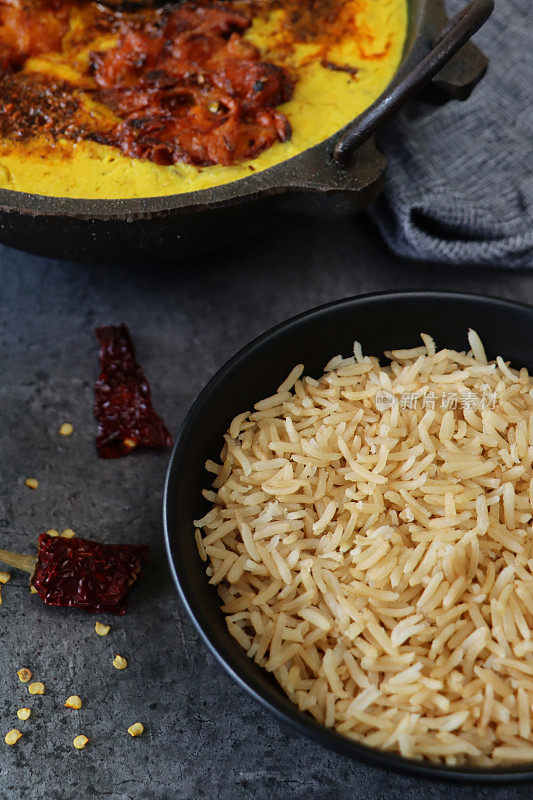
23,713
101,629
80,742
119,662
24,674
12,736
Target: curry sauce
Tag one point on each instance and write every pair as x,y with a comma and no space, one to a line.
119,102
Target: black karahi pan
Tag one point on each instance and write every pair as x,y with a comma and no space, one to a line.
338,177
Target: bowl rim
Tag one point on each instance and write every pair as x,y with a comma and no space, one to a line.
284,709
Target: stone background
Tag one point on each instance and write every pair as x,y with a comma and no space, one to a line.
204,738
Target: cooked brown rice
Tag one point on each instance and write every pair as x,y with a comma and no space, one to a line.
372,549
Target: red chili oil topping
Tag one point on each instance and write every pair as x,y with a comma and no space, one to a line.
78,573
31,102
189,88
123,401
339,67
183,80
324,22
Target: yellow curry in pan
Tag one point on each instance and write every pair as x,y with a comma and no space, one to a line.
101,101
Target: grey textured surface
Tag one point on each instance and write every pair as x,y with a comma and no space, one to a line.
204,738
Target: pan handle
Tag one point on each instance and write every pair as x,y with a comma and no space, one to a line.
456,33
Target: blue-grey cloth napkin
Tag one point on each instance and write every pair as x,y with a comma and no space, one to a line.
459,182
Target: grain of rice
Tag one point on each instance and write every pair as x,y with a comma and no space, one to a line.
476,344
291,379
380,563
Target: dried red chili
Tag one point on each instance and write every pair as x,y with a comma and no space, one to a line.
78,573
123,402
189,87
31,27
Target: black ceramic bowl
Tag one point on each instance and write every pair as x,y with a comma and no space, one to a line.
379,322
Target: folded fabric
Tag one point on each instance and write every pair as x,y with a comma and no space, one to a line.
459,182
